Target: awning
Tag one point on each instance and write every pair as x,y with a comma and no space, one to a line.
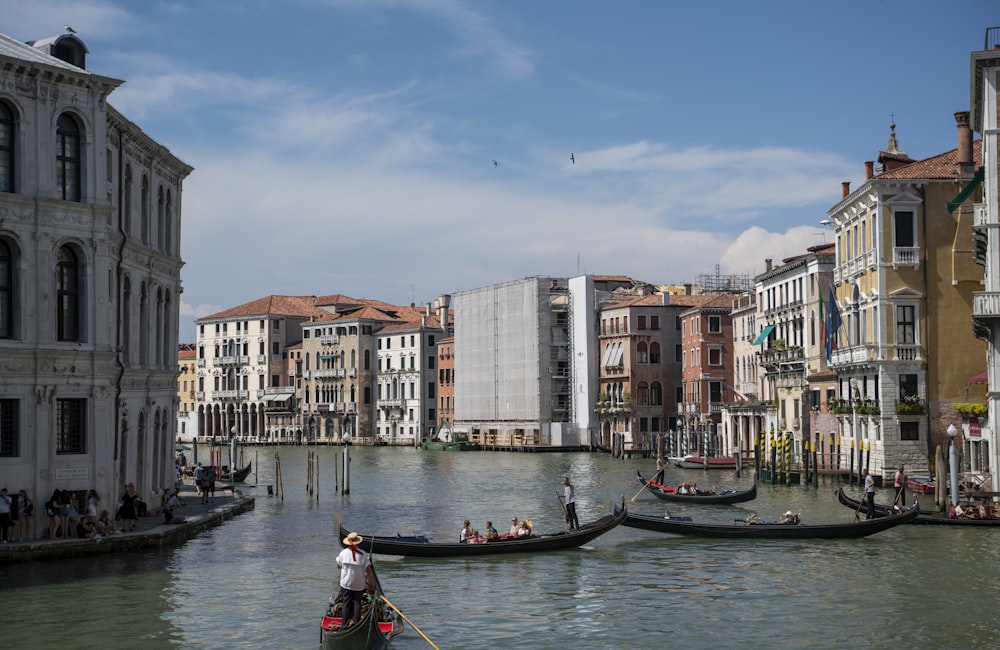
975,431
966,191
766,332
981,378
284,397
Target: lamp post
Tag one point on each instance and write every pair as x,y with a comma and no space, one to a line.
953,464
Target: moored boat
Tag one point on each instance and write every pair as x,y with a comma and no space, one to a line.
670,493
924,485
745,529
927,517
421,546
238,477
701,462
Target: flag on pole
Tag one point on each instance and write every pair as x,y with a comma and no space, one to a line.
822,323
832,326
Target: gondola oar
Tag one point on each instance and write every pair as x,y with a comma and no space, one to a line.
658,472
563,506
405,618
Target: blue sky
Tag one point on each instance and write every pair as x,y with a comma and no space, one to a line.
346,146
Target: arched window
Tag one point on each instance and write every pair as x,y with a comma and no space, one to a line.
8,139
654,352
144,211
168,230
68,296
160,207
144,327
641,353
656,394
8,295
127,201
68,173
126,335
642,394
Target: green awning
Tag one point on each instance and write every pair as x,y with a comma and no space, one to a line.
966,191
766,332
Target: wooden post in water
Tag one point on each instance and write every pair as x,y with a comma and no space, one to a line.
336,479
346,489
816,456
850,473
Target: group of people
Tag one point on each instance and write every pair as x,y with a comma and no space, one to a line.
16,516
204,482
692,489
518,528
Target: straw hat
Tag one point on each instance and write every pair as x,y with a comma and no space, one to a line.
788,514
353,538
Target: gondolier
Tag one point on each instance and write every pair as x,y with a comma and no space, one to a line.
355,570
571,519
870,492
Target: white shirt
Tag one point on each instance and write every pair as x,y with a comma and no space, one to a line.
569,494
353,569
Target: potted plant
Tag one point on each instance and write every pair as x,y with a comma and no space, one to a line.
910,405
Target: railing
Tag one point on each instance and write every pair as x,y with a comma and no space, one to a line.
986,304
201,363
980,214
329,339
232,360
907,352
906,255
261,358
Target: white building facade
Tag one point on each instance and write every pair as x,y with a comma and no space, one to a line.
90,213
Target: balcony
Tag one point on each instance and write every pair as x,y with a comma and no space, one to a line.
907,353
986,304
857,354
232,360
905,256
201,363
329,340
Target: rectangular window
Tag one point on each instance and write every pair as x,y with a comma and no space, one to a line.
8,428
431,390
640,322
430,362
654,322
909,431
903,222
677,353
908,385
715,324
715,392
906,324
71,426
714,356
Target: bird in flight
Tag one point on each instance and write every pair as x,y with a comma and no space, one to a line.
69,29
494,163
572,159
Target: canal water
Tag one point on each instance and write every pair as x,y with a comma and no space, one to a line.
262,580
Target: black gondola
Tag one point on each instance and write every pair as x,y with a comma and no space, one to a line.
420,546
378,624
766,530
926,517
668,493
239,476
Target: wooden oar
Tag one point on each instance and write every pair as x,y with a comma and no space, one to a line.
658,472
563,506
404,617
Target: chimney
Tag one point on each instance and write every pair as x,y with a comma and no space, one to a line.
767,265
443,302
845,189
869,170
964,166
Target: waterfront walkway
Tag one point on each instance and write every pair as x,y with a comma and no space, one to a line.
149,532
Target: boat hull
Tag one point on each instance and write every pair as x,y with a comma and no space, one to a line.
699,462
926,517
855,529
669,494
424,547
458,445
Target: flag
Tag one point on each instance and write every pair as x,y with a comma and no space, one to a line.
822,323
832,326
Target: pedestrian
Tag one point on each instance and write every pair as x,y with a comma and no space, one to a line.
26,520
5,504
569,497
208,492
127,511
199,481
870,493
355,569
899,482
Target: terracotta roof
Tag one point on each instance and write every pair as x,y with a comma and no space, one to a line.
185,354
296,306
940,167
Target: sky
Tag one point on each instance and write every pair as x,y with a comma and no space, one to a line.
401,149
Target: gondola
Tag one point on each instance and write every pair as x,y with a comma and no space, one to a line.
239,476
765,530
378,624
700,462
927,517
421,546
668,493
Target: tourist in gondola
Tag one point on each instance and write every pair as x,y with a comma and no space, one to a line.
491,532
513,527
467,532
355,571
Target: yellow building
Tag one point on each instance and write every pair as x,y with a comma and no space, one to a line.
904,277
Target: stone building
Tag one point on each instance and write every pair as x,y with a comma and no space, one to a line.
90,215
